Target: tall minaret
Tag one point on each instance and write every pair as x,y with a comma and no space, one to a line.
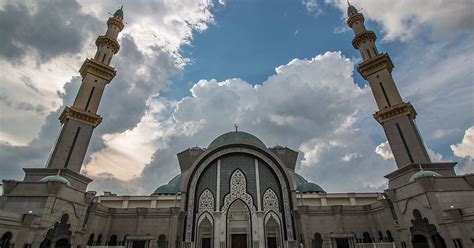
79,120
396,116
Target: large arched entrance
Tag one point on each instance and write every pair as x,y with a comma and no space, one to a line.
239,225
420,241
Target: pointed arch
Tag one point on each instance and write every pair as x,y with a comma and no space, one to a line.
206,201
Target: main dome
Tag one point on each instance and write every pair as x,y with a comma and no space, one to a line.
236,137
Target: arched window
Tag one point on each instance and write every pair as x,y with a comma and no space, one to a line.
162,243
64,218
367,238
99,240
380,236
389,236
5,242
90,242
113,240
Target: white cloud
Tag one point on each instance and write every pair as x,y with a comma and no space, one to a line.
312,6
403,19
466,147
465,151
384,150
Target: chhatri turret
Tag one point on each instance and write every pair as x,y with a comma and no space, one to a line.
395,115
79,120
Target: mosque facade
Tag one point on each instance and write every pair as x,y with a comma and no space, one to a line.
237,192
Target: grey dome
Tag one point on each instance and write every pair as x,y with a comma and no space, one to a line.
119,13
351,10
303,186
55,178
236,137
423,173
172,188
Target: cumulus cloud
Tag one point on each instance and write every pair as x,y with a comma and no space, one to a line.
466,147
320,124
384,150
403,19
35,74
465,151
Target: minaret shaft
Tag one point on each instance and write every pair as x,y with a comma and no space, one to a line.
396,116
79,120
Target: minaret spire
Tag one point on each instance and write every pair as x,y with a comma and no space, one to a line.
79,120
395,115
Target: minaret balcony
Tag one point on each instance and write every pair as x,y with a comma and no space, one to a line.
395,111
98,69
375,64
71,113
365,36
108,41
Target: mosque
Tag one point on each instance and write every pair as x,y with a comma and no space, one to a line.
237,192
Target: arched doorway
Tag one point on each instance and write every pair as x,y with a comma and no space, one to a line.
59,236
420,241
425,233
272,231
205,231
239,225
6,238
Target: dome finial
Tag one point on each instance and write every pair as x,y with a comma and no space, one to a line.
236,127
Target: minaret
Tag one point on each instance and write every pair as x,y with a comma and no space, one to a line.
79,120
396,116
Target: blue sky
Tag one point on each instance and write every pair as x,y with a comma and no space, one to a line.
189,69
251,38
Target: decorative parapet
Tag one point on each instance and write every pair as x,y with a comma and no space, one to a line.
365,36
108,41
80,116
394,112
354,18
375,64
98,69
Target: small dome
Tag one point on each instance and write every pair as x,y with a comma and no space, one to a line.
172,188
351,10
303,186
236,137
55,178
119,13
423,173
310,188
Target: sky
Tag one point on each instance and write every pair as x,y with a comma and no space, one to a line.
188,70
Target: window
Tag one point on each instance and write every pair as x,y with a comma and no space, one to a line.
103,58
